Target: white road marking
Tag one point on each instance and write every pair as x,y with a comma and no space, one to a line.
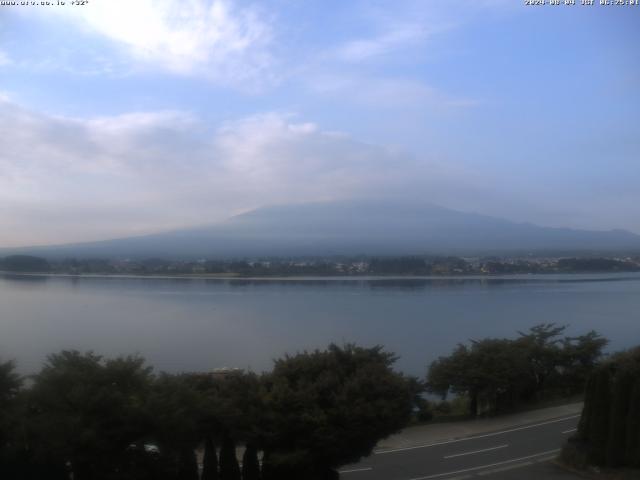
393,450
477,451
353,470
546,459
570,430
504,469
437,475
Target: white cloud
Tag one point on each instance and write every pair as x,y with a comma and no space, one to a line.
364,70
385,43
398,29
216,39
68,179
378,69
72,179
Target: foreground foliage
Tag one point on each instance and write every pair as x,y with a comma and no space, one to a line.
500,374
609,430
330,408
103,419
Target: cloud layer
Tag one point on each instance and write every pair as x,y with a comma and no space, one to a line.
218,40
67,179
156,112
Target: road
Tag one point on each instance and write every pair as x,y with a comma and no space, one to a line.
480,455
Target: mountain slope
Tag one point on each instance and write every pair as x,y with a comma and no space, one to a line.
351,227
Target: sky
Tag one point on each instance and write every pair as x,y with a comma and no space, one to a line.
125,117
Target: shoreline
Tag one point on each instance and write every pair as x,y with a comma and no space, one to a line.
351,278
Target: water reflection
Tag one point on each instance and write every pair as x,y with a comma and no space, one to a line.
16,277
196,324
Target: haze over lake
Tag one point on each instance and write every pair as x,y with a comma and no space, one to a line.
195,324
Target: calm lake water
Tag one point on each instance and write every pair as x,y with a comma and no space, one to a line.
196,324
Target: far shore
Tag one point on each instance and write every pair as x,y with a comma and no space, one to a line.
354,278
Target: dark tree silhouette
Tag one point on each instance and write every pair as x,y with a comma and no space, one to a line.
10,450
188,467
210,461
250,463
329,408
498,374
87,411
608,433
229,468
24,263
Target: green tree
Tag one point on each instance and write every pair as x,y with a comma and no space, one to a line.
328,408
250,463
175,410
233,409
598,424
86,411
240,407
580,356
188,465
491,372
497,374
24,263
608,431
632,444
451,375
542,346
229,468
209,461
10,384
617,434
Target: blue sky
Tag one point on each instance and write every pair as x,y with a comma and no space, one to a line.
127,117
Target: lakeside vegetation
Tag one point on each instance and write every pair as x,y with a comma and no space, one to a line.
496,375
100,418
343,266
609,431
114,418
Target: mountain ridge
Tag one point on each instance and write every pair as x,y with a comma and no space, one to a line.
348,228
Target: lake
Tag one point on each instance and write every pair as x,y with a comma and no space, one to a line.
182,324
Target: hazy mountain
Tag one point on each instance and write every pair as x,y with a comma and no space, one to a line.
351,227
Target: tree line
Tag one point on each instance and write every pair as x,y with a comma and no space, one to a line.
381,266
609,429
499,374
113,418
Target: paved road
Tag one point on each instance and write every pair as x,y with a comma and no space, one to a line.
483,455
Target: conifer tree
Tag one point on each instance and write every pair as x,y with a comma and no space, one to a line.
229,468
632,444
621,391
210,461
250,463
609,429
598,422
188,465
587,409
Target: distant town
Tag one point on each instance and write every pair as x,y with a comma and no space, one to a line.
357,266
